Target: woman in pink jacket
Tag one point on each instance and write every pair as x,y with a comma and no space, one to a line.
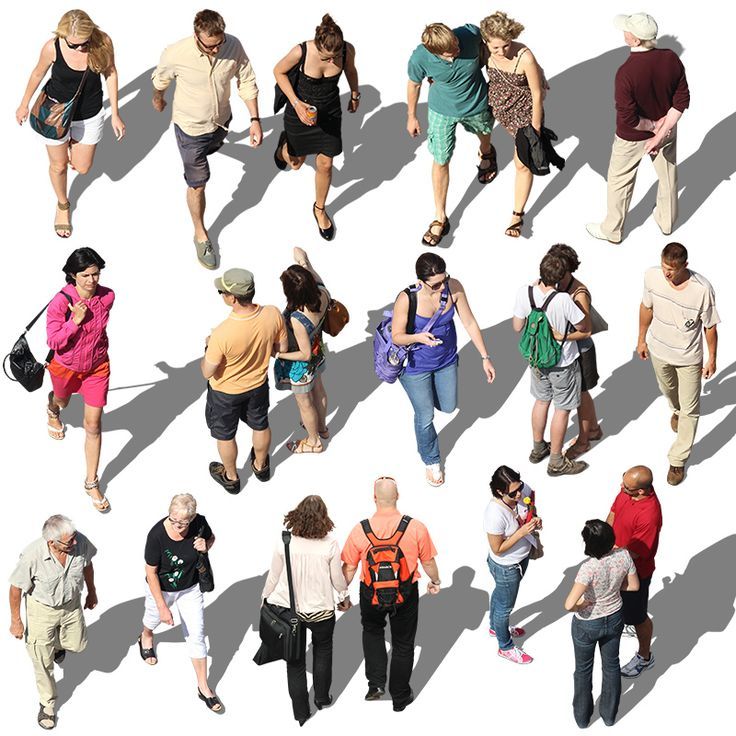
76,329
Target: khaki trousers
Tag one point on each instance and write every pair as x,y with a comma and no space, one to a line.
47,630
622,168
680,385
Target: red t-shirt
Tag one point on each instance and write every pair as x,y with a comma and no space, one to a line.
636,525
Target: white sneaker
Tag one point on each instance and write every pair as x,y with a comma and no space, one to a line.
434,474
594,229
637,665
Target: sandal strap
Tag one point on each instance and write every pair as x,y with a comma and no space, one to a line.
91,485
518,214
63,206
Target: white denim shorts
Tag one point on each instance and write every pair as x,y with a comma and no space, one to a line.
88,131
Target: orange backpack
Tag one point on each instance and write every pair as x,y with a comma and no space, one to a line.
386,568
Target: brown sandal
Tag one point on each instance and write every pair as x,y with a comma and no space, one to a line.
514,230
61,227
323,433
432,239
484,172
302,447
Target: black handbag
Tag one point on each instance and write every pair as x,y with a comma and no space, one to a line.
26,370
204,569
280,630
280,99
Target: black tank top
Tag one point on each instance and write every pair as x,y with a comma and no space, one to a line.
64,83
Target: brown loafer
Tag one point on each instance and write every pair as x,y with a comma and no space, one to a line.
674,421
675,475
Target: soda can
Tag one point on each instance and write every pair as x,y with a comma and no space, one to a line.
312,113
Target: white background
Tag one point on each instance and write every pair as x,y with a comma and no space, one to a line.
134,214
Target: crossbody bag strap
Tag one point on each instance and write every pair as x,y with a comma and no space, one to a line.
286,538
45,307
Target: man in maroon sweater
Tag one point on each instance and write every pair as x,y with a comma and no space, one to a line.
651,94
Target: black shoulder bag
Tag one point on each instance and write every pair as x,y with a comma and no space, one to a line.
280,99
26,370
204,569
280,630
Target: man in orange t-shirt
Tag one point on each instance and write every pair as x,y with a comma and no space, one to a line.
236,366
417,548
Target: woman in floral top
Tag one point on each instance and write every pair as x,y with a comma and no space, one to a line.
596,601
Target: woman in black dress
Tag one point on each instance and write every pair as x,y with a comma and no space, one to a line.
320,63
77,55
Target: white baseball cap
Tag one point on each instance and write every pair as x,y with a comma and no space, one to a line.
641,25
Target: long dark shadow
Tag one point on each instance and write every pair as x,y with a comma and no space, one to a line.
144,128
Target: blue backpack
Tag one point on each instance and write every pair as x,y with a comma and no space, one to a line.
389,360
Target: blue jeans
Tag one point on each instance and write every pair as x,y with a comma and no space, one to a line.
508,578
606,632
427,392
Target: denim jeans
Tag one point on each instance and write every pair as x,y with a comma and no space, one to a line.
606,632
508,578
427,392
296,672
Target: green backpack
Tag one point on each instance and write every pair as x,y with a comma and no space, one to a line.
537,343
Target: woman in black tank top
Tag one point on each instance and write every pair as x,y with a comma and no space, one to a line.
77,55
313,119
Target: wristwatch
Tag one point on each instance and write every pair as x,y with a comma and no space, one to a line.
355,96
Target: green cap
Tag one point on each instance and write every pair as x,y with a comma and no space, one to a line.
236,281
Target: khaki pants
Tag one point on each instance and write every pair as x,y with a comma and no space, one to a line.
49,629
625,158
680,385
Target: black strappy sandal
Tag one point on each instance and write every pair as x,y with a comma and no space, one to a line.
327,232
491,170
147,654
514,230
211,703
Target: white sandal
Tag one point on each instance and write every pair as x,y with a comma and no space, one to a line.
56,433
435,476
101,504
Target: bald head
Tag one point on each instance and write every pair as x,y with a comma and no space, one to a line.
639,477
385,492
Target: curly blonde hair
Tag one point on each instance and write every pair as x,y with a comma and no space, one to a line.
499,25
78,23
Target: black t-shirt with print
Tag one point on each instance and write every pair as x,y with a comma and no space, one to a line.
175,561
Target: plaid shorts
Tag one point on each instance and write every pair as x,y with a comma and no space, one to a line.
441,131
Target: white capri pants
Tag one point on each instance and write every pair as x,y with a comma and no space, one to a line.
189,604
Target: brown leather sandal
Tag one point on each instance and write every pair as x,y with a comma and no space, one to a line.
486,174
432,239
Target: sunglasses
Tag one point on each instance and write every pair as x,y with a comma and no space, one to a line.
221,292
211,47
439,285
83,46
514,494
384,477
66,545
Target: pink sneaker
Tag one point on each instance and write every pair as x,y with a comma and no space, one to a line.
516,655
513,630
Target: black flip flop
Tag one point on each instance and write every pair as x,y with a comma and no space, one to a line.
211,702
146,654
264,473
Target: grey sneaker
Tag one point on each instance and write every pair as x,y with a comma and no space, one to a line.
637,665
536,456
567,467
206,254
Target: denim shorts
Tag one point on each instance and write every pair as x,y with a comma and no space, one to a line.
561,385
194,150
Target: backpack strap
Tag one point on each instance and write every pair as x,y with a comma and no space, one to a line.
548,300
393,539
443,303
411,317
304,321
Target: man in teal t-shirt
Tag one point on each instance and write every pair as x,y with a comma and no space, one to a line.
451,61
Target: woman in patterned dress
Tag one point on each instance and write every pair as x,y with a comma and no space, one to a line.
516,88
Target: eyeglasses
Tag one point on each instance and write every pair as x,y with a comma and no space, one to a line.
630,491
69,543
440,284
180,524
82,46
210,47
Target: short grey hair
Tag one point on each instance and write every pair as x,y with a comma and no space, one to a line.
184,502
56,527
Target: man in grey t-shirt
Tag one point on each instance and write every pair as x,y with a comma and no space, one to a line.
677,309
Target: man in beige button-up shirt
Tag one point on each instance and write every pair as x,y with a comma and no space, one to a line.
204,66
51,574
